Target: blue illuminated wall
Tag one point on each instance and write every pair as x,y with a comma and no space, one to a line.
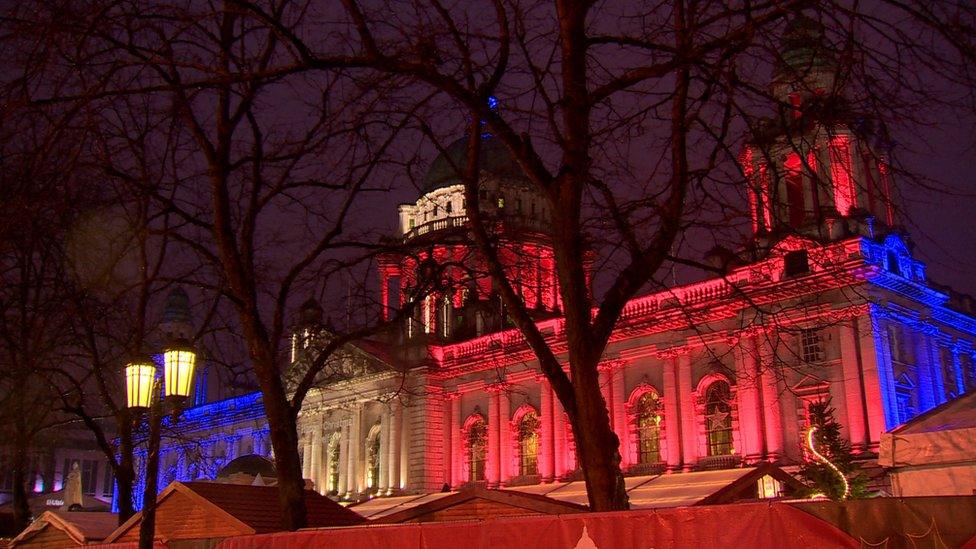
204,439
924,341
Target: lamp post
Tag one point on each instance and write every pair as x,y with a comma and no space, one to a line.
147,392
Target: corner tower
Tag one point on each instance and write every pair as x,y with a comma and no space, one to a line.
434,242
814,169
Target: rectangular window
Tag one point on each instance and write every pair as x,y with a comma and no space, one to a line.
811,348
796,263
89,476
6,474
108,482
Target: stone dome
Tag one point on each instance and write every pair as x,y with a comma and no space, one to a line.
447,168
250,464
804,48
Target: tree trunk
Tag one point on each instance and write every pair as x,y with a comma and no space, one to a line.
125,472
147,527
291,483
597,447
22,514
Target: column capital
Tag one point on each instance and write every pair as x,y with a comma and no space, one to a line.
756,331
673,352
452,395
497,387
610,365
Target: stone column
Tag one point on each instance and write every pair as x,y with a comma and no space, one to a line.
605,371
672,411
406,440
356,453
343,486
384,475
689,431
879,384
960,376
457,447
769,390
492,471
505,440
747,380
306,457
618,412
853,387
546,454
559,446
929,387
393,476
316,474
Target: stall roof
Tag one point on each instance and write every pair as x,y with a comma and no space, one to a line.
380,507
481,503
205,509
958,413
80,526
645,492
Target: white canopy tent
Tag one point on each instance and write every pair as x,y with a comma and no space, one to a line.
935,453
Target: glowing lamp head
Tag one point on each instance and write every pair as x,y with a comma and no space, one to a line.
179,361
139,378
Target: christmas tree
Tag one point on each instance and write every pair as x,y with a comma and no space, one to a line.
839,477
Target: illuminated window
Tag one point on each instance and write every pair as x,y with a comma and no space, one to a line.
476,440
373,458
811,347
718,419
768,487
648,419
413,222
794,190
528,444
501,201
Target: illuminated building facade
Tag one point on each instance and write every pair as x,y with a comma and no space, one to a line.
827,302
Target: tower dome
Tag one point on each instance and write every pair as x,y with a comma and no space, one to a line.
177,307
448,168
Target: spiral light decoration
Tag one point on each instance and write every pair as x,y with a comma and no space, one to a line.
820,457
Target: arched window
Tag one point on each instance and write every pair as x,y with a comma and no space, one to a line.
718,418
476,441
333,456
373,458
528,443
648,420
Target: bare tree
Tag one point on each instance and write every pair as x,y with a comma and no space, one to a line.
39,201
628,119
263,197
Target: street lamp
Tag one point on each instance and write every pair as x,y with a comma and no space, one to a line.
179,360
147,391
140,376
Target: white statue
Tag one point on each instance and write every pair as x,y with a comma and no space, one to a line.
72,488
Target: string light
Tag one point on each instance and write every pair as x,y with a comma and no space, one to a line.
819,456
